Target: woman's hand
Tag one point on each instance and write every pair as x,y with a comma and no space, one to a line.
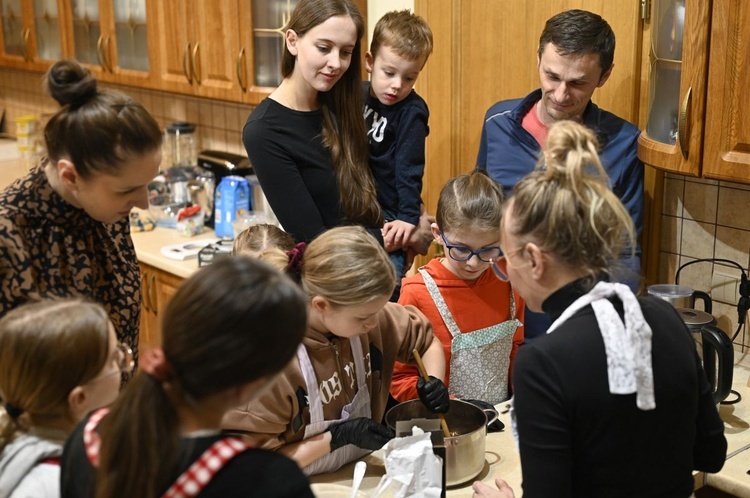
362,432
481,490
422,237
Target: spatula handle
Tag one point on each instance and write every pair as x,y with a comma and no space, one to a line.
426,378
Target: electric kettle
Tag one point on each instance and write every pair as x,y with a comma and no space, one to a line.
714,346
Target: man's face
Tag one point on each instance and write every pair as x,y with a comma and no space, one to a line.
567,82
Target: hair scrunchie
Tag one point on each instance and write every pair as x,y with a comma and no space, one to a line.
295,258
155,365
13,411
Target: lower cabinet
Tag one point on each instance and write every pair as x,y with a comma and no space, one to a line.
157,288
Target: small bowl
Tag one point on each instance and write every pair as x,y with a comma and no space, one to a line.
163,210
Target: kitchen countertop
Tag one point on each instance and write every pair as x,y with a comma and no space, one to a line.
148,249
502,460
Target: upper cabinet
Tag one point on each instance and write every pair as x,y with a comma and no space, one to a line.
112,38
697,122
32,33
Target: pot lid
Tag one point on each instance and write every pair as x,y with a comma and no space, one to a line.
669,291
693,317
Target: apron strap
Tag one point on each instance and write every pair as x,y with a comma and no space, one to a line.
200,473
92,442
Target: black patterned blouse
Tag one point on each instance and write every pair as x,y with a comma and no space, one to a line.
50,248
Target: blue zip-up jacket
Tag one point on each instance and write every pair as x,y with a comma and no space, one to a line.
508,153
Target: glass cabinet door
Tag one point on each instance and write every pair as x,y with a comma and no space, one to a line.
130,30
269,19
15,37
87,35
666,70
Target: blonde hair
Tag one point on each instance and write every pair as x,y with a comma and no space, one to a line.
407,34
347,266
48,348
471,200
567,207
254,239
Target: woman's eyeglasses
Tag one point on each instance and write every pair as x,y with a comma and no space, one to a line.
500,265
463,254
123,358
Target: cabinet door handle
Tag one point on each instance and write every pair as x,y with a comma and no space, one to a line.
107,54
152,299
682,124
26,33
185,62
241,70
100,52
144,291
196,63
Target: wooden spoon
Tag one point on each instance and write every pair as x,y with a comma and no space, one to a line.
426,378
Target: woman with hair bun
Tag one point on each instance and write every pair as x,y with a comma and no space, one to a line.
613,400
64,228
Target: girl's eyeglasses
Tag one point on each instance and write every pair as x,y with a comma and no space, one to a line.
500,265
463,254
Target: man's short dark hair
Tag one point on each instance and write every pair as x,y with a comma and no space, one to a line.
579,32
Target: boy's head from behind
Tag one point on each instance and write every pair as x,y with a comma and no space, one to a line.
401,44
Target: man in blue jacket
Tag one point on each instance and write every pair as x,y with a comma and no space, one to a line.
576,50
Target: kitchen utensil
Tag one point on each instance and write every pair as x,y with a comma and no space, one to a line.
464,450
359,474
179,148
713,345
679,296
426,378
185,250
163,209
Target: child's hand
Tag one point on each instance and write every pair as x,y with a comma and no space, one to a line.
396,234
422,237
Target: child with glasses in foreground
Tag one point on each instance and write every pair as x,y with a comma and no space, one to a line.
59,359
477,317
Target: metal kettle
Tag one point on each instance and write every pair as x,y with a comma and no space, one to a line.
714,346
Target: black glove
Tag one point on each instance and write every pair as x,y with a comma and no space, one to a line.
362,432
433,394
495,426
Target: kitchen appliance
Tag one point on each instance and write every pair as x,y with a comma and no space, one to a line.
713,344
464,451
179,148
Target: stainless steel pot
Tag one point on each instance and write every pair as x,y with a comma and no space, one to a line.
464,452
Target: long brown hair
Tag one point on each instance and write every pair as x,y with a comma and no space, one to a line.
344,132
98,130
232,322
567,207
48,348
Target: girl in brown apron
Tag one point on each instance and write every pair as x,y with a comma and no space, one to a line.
227,331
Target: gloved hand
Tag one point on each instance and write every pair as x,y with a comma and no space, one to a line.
362,432
433,394
495,426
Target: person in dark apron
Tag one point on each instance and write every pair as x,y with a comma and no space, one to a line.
226,333
477,317
615,389
327,406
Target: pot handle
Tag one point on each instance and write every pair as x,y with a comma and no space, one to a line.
491,414
714,338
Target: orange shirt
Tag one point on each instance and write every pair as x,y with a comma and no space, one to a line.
474,305
534,125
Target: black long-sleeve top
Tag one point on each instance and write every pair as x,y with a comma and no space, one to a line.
578,439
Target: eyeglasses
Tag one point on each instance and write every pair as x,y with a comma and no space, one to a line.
123,359
500,265
463,253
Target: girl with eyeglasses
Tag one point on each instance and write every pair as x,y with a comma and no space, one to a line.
227,331
477,318
59,359
327,406
615,389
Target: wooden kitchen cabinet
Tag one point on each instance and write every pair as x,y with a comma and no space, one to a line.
157,288
198,42
111,37
698,120
32,34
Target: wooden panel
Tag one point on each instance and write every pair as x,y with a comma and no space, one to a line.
693,79
217,31
174,33
727,137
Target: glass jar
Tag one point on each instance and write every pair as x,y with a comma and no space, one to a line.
179,147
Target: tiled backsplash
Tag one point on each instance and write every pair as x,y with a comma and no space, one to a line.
706,219
219,124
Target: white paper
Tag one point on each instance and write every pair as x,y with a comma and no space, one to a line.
414,470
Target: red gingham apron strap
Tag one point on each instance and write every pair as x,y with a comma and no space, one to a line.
91,440
200,473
